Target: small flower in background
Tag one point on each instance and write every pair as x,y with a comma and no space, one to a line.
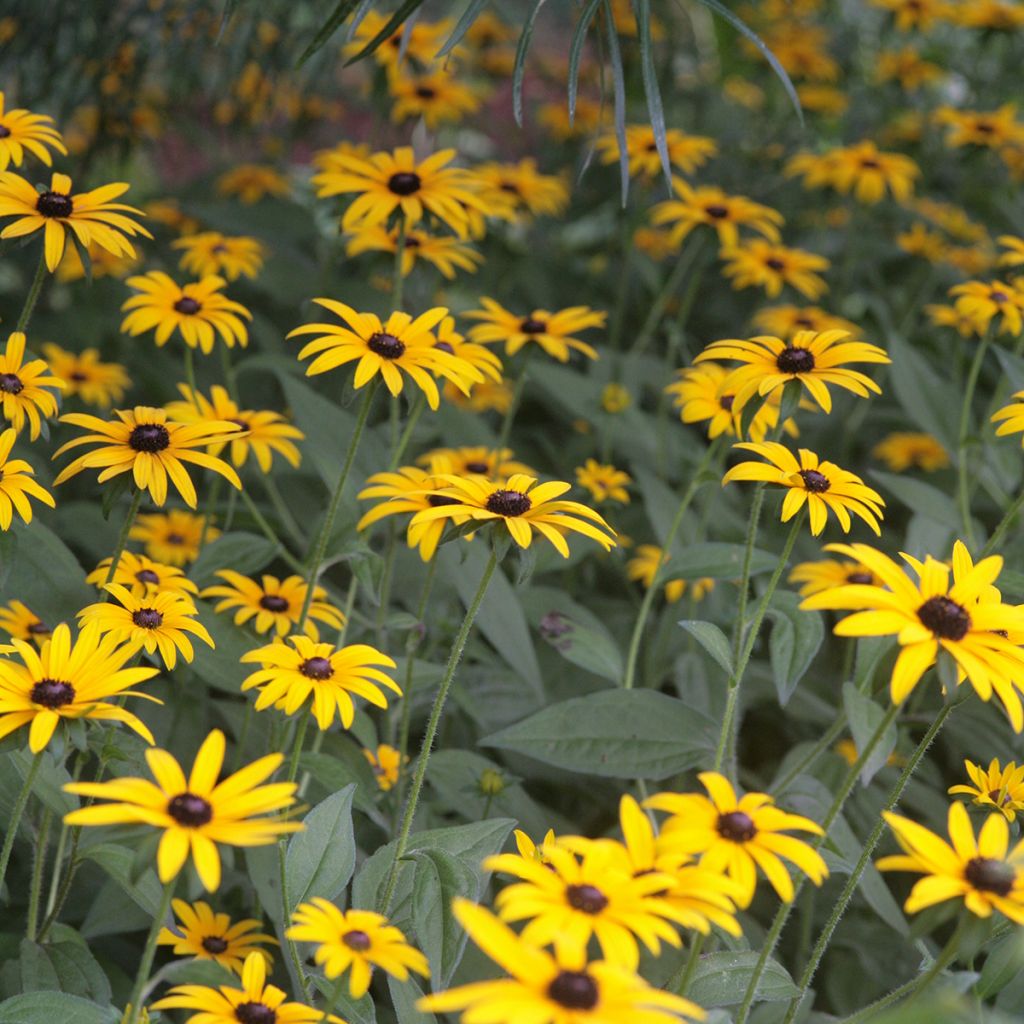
26,388
386,763
519,190
998,787
604,482
21,130
901,451
643,566
437,96
552,331
827,574
174,537
822,99
907,67
788,321
487,396
445,252
205,935
474,460
711,207
17,485
848,751
18,621
686,153
950,316
210,253
991,129
142,576
759,264
482,359
915,14
923,242
102,263
252,182
980,302
615,398
95,382
863,170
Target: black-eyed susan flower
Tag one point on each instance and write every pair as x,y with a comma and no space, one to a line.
738,835
156,621
991,15
21,130
786,321
198,311
17,485
85,375
522,506
26,387
815,360
101,264
558,988
273,604
146,443
862,169
438,96
17,620
388,182
615,398
68,679
686,153
949,316
643,567
980,302
756,263
293,671
386,763
210,253
474,460
445,252
195,814
915,14
388,348
966,620
487,396
417,43
711,207
988,129
985,872
903,450
1014,255
907,67
604,482
921,241
552,331
829,573
174,537
202,933
356,939
520,189
249,183
481,358
142,576
1000,787
266,432
92,216
822,486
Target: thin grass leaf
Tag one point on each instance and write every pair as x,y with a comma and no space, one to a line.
403,43
357,19
462,26
520,66
579,38
741,26
230,7
619,84
655,110
329,27
396,19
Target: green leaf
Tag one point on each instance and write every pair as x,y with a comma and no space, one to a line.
865,716
396,19
244,552
220,665
117,862
343,9
1005,961
462,26
321,858
920,497
721,979
68,962
47,1007
577,634
46,576
616,734
717,561
795,639
403,997
354,1011
925,396
579,38
619,96
652,91
519,67
712,639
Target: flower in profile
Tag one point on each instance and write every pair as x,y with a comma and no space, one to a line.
985,872
273,604
738,835
605,482
552,331
293,671
787,321
95,382
1000,787
815,360
210,253
558,988
174,536
436,95
445,252
92,216
142,576
519,190
401,344
26,387
759,264
829,573
144,442
522,506
252,182
266,431
198,311
205,935
710,206
903,450
643,566
356,939
17,485
966,620
386,763
822,486
157,621
1014,255
195,814
68,679
924,242
950,316
686,153
255,1002
17,620
487,396
22,130
988,129
979,302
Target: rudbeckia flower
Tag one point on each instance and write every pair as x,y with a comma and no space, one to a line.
356,939
515,190
985,872
903,450
17,620
1000,787
827,574
990,129
17,485
386,764
173,536
822,486
474,460
552,331
760,264
979,302
69,679
605,483
915,14
710,206
95,382
195,814
445,252
738,835
23,387
21,130
787,321
144,442
687,153
205,935
101,264
436,95
482,359
90,215
871,174
643,567
210,253
142,576
252,182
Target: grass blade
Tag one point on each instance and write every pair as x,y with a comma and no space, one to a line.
579,37
619,84
394,21
655,110
520,66
462,26
329,27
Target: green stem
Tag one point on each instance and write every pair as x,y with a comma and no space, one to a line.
683,985
661,301
14,820
824,743
213,497
454,657
398,280
229,372
403,442
297,743
38,864
122,537
271,534
284,514
33,293
295,961
963,491
1004,524
513,407
148,953
862,862
332,999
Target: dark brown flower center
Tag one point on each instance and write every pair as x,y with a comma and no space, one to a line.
869,164
437,500
575,990
815,482
424,92
445,347
54,204
190,810
317,668
736,826
175,538
404,183
11,383
78,376
274,603
587,898
803,321
717,211
990,875
52,693
214,944
255,1013
859,577
478,467
795,360
187,306
726,402
147,576
945,618
387,346
507,186
997,796
985,127
36,628
147,618
149,437
4,131
412,243
356,940
531,326
999,296
774,263
508,503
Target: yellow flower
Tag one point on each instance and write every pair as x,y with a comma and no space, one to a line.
198,311
142,576
822,99
26,388
991,15
487,396
920,241
979,302
251,182
999,787
360,939
907,67
436,95
292,672
211,253
901,451
552,331
386,763
710,206
991,129
206,935
447,253
950,316
144,442
17,485
482,359
474,460
590,115
417,42
518,189
738,835
786,321
862,169
916,14
985,873
615,398
17,620
197,813
92,216
761,264
274,604
966,620
1014,255
644,565
848,751
827,574
95,382
801,48
21,130
605,483
173,537
686,153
